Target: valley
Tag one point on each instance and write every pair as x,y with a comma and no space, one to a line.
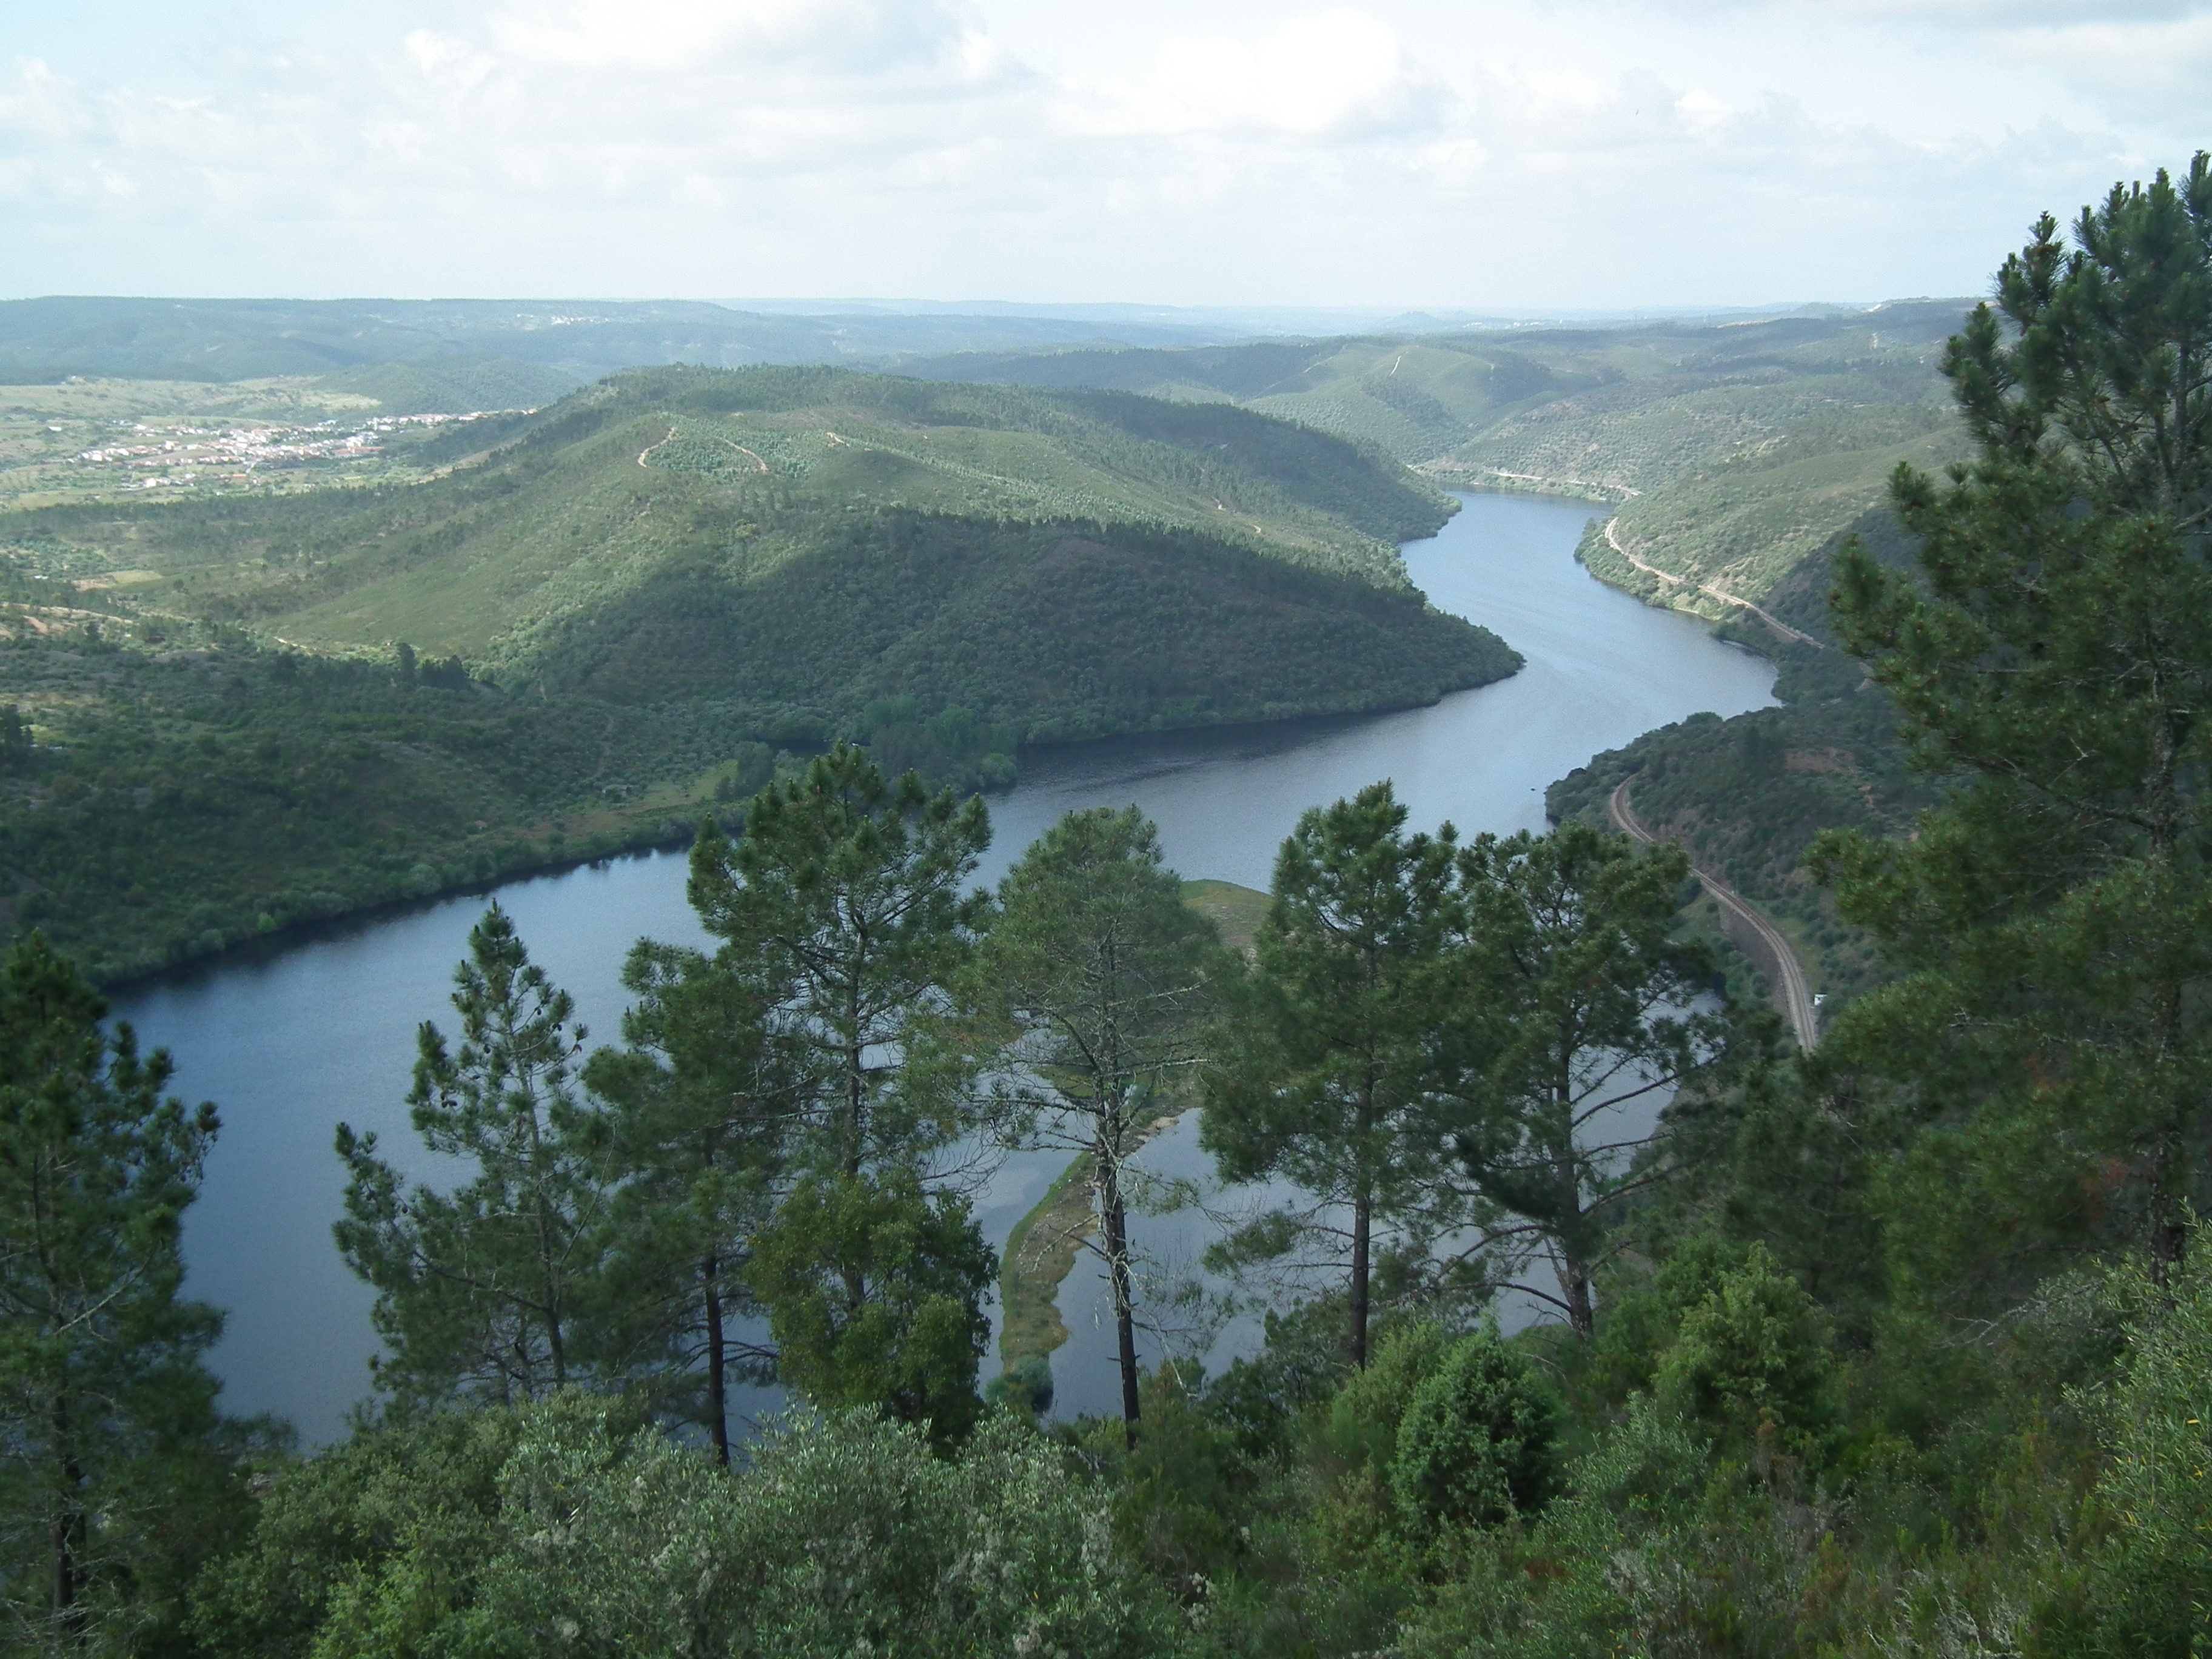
247,711
717,569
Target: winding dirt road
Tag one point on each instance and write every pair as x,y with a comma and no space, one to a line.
1797,993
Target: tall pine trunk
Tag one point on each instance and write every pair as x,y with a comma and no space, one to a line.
1571,1258
1363,1223
1116,1218
1363,1220
67,1528
717,1364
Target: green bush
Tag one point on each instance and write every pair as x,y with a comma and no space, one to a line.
1360,1429
1474,1446
1754,1360
1024,1386
562,1530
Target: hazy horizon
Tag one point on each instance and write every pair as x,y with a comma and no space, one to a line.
1072,310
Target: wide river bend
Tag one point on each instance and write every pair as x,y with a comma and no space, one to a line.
290,1043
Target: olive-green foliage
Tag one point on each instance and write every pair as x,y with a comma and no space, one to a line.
1360,1426
1727,452
1723,426
694,484
2147,1588
1260,1396
1473,1447
562,1530
389,1531
460,384
874,1293
1644,1312
191,793
840,1536
1057,631
1632,1557
1184,1493
185,799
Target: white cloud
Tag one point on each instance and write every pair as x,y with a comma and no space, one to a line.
1406,151
1334,74
1955,14
2156,60
43,108
837,36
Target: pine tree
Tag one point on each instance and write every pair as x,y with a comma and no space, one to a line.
106,1406
697,1122
1329,1082
2048,1046
843,899
1575,1012
1108,975
479,1290
875,1292
841,910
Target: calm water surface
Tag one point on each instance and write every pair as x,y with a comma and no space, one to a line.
293,1044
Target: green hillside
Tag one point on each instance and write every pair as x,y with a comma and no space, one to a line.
1729,451
261,709
1731,460
739,474
1748,794
451,385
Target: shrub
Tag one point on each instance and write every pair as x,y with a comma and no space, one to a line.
1361,1428
2147,1589
1474,1445
1754,1356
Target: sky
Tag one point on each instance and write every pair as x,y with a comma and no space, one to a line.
1486,155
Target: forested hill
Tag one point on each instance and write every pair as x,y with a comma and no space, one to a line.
801,541
258,709
1729,450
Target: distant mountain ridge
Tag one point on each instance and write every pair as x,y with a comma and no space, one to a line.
48,339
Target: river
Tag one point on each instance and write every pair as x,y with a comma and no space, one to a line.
291,1044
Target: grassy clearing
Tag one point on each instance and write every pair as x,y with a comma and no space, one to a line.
1040,1253
1236,911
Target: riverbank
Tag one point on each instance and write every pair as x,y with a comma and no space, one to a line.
290,1042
